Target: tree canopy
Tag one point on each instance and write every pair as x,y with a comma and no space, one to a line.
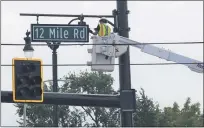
148,113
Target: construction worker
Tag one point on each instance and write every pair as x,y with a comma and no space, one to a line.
102,29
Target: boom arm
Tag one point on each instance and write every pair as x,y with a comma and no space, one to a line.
155,51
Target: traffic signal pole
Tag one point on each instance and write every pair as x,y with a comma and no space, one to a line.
24,114
124,60
54,48
55,85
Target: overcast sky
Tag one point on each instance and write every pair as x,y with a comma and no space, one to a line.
149,22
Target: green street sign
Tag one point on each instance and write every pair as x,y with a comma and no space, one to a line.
59,33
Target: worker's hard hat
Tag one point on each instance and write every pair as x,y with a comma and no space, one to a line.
103,19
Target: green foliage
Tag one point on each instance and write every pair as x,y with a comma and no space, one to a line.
148,113
188,116
39,115
89,83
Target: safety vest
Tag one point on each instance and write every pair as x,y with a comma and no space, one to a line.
105,30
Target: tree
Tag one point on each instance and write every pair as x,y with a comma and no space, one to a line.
147,113
84,82
188,116
94,83
40,115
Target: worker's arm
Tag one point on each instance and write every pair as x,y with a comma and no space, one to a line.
97,29
90,31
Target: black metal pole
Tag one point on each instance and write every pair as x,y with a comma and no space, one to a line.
124,60
55,85
71,99
54,48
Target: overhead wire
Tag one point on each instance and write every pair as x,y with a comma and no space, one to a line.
107,64
65,44
68,44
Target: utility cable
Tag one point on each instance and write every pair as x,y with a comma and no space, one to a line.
65,44
109,64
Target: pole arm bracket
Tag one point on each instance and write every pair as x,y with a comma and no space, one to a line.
116,26
54,45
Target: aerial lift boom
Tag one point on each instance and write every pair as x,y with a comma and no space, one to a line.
118,50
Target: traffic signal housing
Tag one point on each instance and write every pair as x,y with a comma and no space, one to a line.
27,82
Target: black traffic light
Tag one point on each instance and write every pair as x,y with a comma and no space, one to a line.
27,80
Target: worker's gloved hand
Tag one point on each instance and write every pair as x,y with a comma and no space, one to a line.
90,31
95,33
